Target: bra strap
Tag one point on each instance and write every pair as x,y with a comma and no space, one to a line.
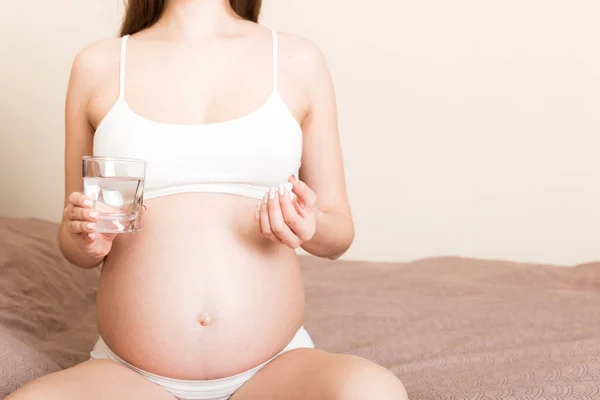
122,67
275,58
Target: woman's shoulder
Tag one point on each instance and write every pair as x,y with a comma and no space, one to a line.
302,58
300,49
98,59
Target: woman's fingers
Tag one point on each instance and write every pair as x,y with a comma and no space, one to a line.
78,199
303,192
277,217
80,214
303,222
290,215
277,220
81,227
265,225
81,218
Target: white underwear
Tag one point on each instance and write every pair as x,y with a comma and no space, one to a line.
216,389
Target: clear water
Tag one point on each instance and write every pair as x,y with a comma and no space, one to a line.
118,201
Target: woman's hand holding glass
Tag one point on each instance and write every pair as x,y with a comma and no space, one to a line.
81,221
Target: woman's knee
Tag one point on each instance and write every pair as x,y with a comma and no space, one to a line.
35,390
97,379
366,380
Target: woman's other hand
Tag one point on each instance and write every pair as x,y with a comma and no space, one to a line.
288,221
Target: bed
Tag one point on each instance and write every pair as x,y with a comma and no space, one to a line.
450,328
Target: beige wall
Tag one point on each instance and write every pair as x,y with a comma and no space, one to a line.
469,127
38,40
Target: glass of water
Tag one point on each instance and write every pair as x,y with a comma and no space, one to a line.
116,186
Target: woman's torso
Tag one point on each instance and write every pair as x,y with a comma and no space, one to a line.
198,294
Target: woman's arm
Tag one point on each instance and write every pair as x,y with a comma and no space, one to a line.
319,218
322,166
77,238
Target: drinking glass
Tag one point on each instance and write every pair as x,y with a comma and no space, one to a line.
116,187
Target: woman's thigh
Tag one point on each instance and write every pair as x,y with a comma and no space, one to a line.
92,380
310,374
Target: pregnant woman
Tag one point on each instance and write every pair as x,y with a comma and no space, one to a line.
206,302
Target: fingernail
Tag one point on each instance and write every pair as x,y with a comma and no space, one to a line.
281,190
91,225
259,203
273,191
94,214
91,235
88,203
266,198
289,186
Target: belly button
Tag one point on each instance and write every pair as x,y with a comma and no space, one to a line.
204,319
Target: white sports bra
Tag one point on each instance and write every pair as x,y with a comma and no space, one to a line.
244,156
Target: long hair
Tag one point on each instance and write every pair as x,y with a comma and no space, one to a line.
142,14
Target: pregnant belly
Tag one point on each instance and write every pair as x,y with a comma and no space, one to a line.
197,294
